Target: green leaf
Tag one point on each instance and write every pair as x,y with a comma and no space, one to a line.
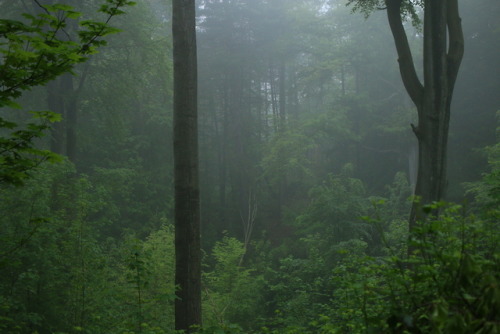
71,14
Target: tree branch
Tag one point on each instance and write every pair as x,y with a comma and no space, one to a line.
456,45
406,66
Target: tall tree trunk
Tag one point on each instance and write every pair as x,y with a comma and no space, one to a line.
293,106
433,111
62,99
70,109
71,98
186,183
55,103
282,96
433,98
342,78
223,155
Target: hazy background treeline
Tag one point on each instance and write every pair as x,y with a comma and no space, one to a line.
304,124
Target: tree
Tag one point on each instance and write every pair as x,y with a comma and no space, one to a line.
33,54
443,43
186,184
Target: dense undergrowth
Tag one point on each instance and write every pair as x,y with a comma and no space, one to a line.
63,274
89,247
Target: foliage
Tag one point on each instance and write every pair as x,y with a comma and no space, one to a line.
297,291
409,8
288,158
59,275
93,252
334,208
448,285
332,238
231,292
487,191
51,260
18,152
34,52
126,145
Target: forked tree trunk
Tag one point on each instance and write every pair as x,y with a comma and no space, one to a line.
443,51
186,184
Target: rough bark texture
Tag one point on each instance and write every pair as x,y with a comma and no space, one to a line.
186,184
433,98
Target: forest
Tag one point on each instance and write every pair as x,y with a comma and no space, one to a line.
347,166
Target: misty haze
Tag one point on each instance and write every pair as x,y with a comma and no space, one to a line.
249,166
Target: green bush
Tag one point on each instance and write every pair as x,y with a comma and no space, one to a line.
449,284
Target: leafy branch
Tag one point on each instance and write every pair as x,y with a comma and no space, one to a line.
32,53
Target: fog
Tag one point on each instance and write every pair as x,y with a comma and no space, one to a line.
307,165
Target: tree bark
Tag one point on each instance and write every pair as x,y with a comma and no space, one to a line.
186,180
405,58
433,98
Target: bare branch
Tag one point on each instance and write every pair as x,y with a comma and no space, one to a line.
406,65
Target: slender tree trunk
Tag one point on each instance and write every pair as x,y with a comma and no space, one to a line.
342,76
71,117
223,156
71,98
274,98
293,106
55,104
55,97
186,183
267,105
62,98
282,96
433,99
